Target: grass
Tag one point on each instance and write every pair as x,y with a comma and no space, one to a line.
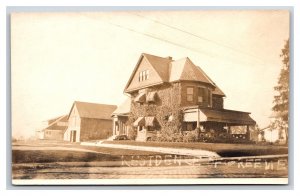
47,155
223,149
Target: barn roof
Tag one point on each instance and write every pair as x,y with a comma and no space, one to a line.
93,110
54,126
62,118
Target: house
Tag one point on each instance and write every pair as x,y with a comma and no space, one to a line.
89,121
176,96
55,129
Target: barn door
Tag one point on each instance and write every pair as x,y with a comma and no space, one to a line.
73,136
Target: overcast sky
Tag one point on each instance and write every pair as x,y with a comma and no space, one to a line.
59,58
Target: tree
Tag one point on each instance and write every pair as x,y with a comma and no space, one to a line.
281,99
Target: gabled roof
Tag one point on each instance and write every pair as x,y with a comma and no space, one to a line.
63,118
185,69
53,125
124,108
159,64
93,110
171,71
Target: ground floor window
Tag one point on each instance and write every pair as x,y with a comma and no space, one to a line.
189,126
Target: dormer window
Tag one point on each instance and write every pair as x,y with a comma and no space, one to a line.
144,75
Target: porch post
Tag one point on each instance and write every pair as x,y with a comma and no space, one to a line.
248,133
198,123
198,118
114,126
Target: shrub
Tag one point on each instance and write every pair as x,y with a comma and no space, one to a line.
190,136
132,133
177,137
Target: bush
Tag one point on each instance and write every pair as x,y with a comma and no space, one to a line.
132,133
177,137
190,136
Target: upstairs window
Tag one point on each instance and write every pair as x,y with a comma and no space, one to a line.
204,96
147,75
201,95
144,75
189,94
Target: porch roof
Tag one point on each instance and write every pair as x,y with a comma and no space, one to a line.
140,121
140,97
230,117
123,109
149,121
151,96
145,121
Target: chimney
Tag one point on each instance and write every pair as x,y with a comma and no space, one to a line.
169,57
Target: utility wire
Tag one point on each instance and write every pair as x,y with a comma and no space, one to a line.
199,37
157,38
175,44
161,39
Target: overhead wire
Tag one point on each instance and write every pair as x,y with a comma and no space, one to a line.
200,37
177,44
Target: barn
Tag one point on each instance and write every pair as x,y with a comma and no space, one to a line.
89,121
55,129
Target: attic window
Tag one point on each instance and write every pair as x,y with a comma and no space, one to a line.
144,75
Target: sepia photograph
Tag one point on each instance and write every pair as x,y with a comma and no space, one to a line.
150,97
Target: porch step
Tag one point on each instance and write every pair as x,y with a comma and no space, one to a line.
111,138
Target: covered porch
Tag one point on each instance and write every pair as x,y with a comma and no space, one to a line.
120,125
216,124
120,118
146,127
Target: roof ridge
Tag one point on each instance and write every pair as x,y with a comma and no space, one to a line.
161,67
56,121
147,54
57,117
93,103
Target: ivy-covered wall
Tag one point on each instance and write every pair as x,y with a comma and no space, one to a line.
217,102
166,108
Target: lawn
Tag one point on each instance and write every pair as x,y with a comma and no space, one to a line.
223,149
44,152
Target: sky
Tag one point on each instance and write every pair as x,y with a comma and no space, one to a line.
59,58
